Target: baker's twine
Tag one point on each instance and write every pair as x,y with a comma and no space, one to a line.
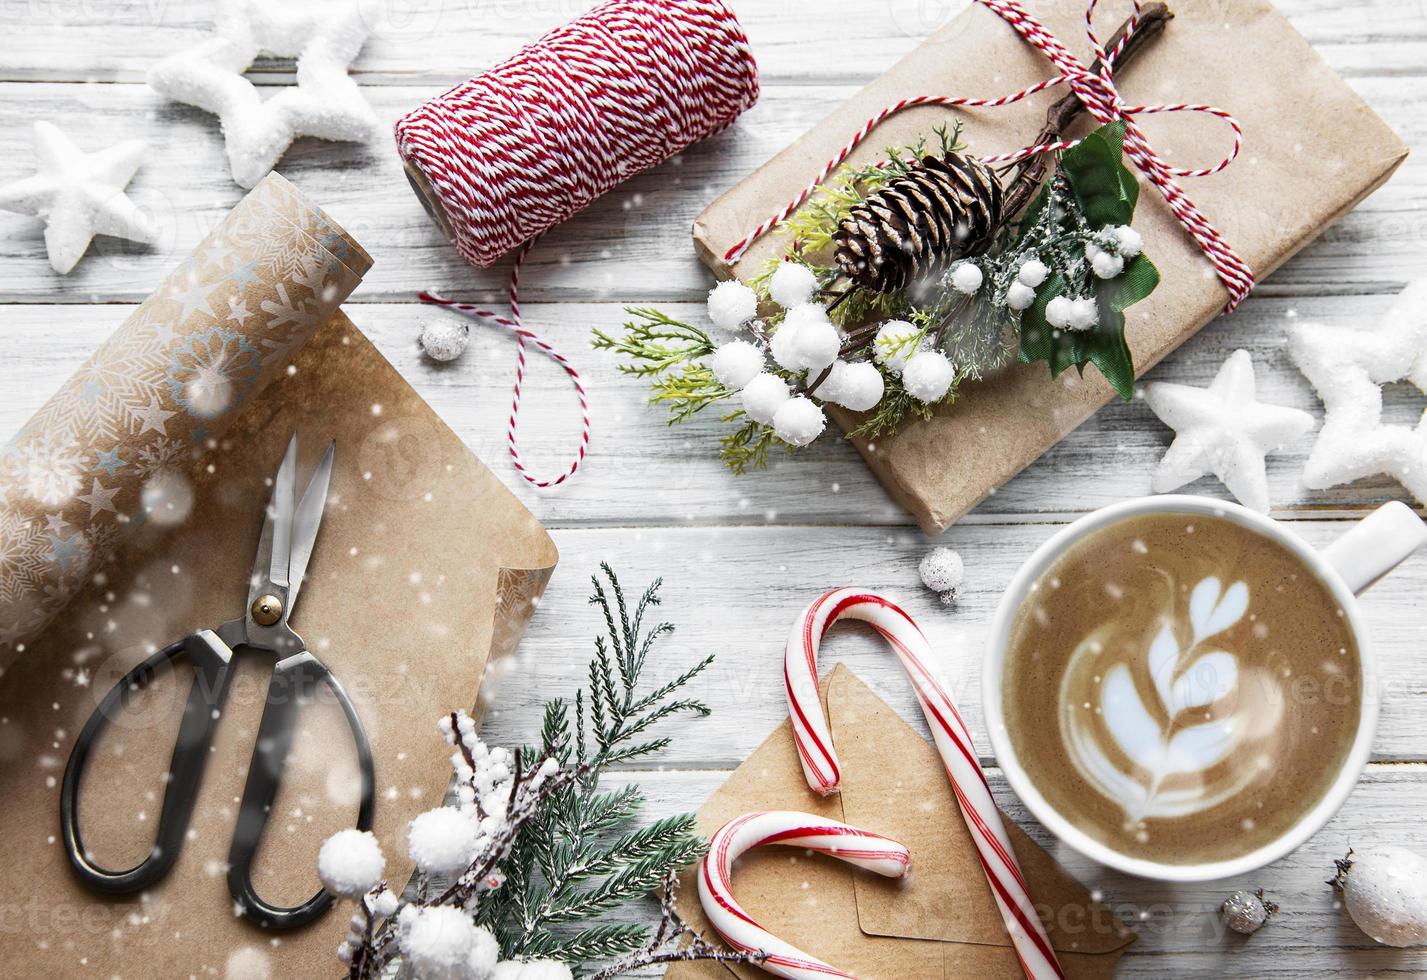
1098,93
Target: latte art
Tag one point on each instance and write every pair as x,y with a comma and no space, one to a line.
1181,687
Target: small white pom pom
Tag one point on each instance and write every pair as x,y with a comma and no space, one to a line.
831,388
444,339
1385,891
482,957
942,571
442,840
731,304
1020,296
928,376
893,345
1093,251
531,970
861,387
966,277
736,363
1058,311
384,904
1129,240
792,283
1032,273
437,941
798,421
784,345
763,395
1107,266
817,343
350,863
1084,314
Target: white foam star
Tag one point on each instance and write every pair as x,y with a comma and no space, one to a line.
1348,366
79,195
325,101
1223,430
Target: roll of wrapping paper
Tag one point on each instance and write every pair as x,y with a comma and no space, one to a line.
112,450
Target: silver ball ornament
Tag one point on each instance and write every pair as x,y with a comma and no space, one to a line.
1245,912
444,339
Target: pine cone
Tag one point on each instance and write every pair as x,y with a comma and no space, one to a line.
944,209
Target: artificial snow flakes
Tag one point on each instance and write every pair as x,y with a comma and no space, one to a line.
79,195
928,376
798,421
444,339
441,841
350,863
1223,430
325,102
736,363
1348,366
1385,891
792,283
732,304
942,571
894,344
763,395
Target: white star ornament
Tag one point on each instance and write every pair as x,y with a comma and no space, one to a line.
325,102
1348,367
1223,430
79,195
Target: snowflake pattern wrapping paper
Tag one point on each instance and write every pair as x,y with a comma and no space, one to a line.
115,445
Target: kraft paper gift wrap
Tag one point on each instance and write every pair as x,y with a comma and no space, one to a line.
941,921
1312,150
425,567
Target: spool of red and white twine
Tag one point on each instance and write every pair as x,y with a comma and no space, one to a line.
953,742
505,156
861,848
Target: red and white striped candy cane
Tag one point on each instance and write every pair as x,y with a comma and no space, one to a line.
953,741
861,848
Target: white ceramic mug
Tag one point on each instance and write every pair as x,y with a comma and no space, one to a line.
1369,550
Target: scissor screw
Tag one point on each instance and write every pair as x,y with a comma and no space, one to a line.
267,609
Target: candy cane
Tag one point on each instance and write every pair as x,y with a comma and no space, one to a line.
953,741
857,847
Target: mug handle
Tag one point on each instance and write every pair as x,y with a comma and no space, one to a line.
1376,545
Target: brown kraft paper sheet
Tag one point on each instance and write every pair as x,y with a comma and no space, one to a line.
425,567
1312,150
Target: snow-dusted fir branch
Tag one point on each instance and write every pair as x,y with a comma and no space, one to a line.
515,876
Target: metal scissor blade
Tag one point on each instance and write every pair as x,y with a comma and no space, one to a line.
275,548
306,522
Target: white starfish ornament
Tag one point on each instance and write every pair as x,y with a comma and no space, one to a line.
325,102
1223,430
1348,367
79,195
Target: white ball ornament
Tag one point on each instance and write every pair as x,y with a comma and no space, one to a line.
1032,273
444,339
1129,241
1385,891
762,397
893,344
1107,265
798,421
1020,296
1058,311
942,571
966,278
928,376
731,305
860,387
792,283
736,363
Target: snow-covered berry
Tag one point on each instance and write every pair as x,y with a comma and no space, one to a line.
942,571
798,421
442,840
1058,311
1129,240
736,363
482,957
350,863
437,941
1084,314
1020,296
893,344
444,339
1107,265
928,376
1093,250
792,283
784,345
831,388
1032,273
860,387
816,343
383,903
531,970
966,277
763,395
731,304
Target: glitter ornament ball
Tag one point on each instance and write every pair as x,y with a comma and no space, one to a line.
1385,891
1245,912
942,571
444,339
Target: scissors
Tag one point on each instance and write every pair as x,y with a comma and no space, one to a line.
289,533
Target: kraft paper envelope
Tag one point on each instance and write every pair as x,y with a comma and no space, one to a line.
942,921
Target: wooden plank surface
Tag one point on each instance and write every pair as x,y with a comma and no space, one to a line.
740,556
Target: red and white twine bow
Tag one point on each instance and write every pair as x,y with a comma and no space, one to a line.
953,741
1097,91
861,848
522,336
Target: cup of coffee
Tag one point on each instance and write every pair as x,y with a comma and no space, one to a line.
1181,688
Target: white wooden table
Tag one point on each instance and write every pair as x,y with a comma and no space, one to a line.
740,556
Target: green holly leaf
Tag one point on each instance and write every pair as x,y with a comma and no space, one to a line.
1105,189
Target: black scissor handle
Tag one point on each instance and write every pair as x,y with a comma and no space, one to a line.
293,680
211,659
